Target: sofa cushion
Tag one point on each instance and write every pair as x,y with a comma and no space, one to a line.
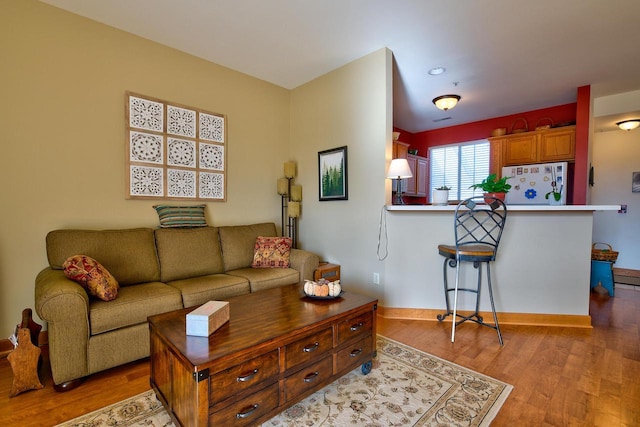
265,278
199,290
129,255
237,243
181,216
188,252
133,305
271,252
92,276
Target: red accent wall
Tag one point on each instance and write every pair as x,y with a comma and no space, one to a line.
482,129
577,113
581,174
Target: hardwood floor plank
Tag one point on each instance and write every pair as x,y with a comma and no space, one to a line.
561,376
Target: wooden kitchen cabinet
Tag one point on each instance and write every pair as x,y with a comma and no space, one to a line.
417,185
400,150
558,145
541,146
520,149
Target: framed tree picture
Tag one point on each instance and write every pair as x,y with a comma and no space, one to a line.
332,171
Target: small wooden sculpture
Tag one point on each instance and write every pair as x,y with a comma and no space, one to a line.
24,363
27,322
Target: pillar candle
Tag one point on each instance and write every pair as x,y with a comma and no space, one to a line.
283,186
293,210
290,169
296,193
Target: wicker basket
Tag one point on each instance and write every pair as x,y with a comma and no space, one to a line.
540,126
520,130
603,254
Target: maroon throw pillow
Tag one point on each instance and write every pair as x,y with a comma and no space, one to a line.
271,252
92,276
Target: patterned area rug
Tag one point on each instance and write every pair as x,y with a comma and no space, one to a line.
406,387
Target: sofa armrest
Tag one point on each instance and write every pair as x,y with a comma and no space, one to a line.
305,262
64,305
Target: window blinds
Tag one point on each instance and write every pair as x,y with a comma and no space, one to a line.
459,166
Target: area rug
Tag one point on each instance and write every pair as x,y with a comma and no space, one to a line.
406,387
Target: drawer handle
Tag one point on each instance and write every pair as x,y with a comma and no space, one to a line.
311,377
247,412
311,347
246,377
355,352
356,326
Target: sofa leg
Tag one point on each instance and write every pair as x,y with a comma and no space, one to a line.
68,385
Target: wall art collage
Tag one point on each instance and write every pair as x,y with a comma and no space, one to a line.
175,152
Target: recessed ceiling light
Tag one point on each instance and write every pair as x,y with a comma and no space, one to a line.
437,71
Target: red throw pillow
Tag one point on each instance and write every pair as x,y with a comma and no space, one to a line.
271,252
92,276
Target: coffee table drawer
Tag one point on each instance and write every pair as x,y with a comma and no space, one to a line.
354,327
248,410
308,348
240,377
355,354
308,378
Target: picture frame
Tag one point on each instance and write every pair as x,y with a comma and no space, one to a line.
635,182
333,181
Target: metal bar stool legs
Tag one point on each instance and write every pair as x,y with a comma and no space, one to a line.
493,306
478,225
475,316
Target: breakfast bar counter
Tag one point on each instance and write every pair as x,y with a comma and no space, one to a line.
541,274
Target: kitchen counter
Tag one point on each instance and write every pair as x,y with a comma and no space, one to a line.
541,274
510,208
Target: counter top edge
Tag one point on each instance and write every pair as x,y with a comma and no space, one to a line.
516,208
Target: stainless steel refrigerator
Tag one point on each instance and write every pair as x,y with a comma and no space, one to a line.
530,183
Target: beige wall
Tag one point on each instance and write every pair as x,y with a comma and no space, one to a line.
350,106
62,116
616,155
63,79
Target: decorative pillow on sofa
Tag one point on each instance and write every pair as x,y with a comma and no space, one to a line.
181,216
92,276
271,252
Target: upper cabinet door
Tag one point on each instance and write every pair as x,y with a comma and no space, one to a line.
520,149
400,150
558,145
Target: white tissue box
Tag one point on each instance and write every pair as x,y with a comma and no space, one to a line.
204,320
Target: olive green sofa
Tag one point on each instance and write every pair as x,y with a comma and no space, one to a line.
158,270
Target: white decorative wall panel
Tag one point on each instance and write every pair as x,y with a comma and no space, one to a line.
146,181
169,148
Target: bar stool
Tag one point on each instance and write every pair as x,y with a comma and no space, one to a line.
478,225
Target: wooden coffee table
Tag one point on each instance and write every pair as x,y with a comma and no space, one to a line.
278,347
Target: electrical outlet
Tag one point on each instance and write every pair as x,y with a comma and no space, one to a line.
376,278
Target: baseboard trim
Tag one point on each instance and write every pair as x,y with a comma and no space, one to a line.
6,346
626,276
524,319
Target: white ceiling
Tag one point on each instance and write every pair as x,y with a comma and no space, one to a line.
507,56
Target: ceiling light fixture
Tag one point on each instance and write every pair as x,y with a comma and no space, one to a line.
446,102
629,124
436,71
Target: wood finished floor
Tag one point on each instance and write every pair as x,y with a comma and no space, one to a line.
561,377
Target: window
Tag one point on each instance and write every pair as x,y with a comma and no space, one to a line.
459,166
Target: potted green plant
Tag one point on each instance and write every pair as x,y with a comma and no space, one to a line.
556,195
494,187
441,196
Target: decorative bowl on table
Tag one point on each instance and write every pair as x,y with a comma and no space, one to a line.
322,289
